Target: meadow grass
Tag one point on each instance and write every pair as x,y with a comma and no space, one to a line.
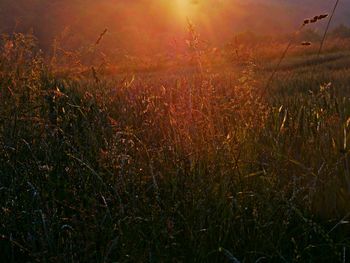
172,168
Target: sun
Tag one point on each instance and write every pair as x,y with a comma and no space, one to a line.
183,4
184,9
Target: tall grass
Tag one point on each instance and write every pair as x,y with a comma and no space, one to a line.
132,170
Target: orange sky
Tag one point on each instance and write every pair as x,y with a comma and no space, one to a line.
149,24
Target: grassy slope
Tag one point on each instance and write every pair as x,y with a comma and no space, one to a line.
191,169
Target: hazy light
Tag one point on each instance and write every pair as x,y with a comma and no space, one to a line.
184,9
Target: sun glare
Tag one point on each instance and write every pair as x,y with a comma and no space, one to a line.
184,9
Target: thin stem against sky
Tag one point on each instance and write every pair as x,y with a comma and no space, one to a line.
327,28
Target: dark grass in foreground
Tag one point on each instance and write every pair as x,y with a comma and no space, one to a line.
192,169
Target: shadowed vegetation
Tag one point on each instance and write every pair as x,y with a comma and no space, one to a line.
187,157
163,168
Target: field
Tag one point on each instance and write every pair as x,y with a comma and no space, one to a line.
200,163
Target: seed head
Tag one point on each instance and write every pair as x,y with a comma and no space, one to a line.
314,19
306,43
322,16
306,21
